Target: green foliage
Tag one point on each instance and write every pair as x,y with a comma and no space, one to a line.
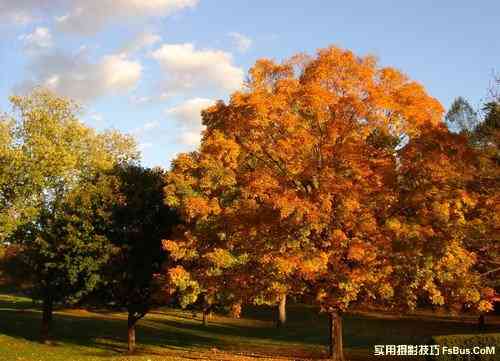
487,132
187,289
14,197
470,342
461,117
483,231
138,222
62,252
56,205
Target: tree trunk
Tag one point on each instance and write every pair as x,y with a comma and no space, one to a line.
482,323
205,316
131,332
281,319
336,351
46,319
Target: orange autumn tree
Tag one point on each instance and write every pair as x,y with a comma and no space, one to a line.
440,217
217,253
214,262
202,253
295,180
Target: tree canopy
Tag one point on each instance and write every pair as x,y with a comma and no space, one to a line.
55,208
329,179
139,221
297,183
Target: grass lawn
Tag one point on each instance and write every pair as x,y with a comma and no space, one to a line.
171,335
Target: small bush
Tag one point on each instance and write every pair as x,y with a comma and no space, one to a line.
472,343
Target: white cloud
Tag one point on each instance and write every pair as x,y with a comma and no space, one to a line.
79,78
189,112
151,125
39,40
241,42
96,120
190,137
188,116
146,128
118,72
52,81
22,12
141,41
90,16
187,68
20,18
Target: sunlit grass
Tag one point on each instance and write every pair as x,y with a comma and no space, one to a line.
170,334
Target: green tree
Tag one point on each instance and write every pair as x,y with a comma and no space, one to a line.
482,222
140,221
16,202
60,168
483,236
461,117
487,132
482,232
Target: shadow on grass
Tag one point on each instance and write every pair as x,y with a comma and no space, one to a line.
306,331
92,330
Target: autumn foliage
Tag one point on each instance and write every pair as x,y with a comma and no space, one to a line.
329,180
328,176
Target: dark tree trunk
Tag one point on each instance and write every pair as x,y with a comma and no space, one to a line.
336,351
132,320
281,319
206,312
47,308
207,308
482,323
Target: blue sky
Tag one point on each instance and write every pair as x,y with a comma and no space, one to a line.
148,66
